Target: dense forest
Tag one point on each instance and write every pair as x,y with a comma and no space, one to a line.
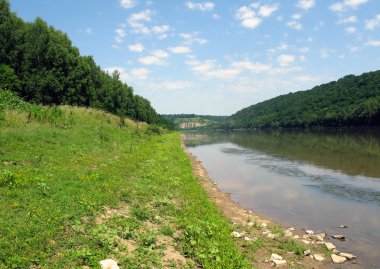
350,101
41,65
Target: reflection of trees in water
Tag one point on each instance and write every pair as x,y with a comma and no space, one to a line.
353,151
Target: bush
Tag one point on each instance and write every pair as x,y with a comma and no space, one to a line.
153,130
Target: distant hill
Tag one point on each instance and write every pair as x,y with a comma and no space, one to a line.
350,101
192,121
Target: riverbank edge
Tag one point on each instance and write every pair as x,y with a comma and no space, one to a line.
241,217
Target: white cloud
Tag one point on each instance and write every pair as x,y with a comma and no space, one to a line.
122,74
252,67
304,50
346,4
373,43
295,25
127,3
350,30
89,30
296,16
350,19
120,34
145,15
306,4
139,73
252,15
266,11
172,85
160,54
374,23
180,49
160,31
352,48
204,6
286,60
136,47
151,60
325,52
306,79
192,38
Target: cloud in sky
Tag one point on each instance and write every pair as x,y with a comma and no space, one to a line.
286,60
346,5
373,43
180,50
138,47
127,3
252,15
374,23
120,34
306,4
204,6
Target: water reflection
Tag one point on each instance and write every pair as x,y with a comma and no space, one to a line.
315,180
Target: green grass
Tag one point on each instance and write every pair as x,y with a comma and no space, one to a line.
76,187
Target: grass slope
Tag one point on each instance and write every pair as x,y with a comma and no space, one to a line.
77,187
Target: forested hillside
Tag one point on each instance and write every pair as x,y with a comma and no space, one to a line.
350,101
40,63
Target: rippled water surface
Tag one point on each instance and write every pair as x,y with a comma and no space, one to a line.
308,179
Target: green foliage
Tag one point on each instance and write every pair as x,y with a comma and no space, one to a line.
70,198
39,63
352,100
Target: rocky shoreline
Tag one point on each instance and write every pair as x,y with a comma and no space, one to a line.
249,226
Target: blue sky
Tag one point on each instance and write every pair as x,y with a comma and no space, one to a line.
217,57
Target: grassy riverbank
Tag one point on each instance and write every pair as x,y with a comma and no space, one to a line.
77,187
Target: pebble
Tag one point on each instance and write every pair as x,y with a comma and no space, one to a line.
275,256
288,233
264,225
109,264
250,223
330,246
338,259
307,242
347,255
236,234
339,236
291,229
318,257
296,237
279,263
320,237
343,226
307,252
247,239
309,232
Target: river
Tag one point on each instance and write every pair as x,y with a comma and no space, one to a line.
315,180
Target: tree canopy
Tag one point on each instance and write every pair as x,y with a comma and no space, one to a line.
41,65
350,101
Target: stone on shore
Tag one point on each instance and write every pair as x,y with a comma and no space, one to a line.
279,263
320,237
330,246
339,236
307,252
288,233
109,264
347,255
275,256
318,257
343,226
236,234
309,232
338,259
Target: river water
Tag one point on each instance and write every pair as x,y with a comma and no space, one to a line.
316,180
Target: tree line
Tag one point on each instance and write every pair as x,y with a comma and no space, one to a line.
350,101
41,65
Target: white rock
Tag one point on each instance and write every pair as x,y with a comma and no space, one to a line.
343,226
247,238
339,236
307,242
288,233
279,263
320,237
250,223
318,257
338,259
264,225
291,229
109,264
236,234
307,252
309,232
330,246
266,232
275,256
296,237
271,236
347,255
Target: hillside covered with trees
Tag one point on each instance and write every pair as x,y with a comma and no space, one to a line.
41,65
350,101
